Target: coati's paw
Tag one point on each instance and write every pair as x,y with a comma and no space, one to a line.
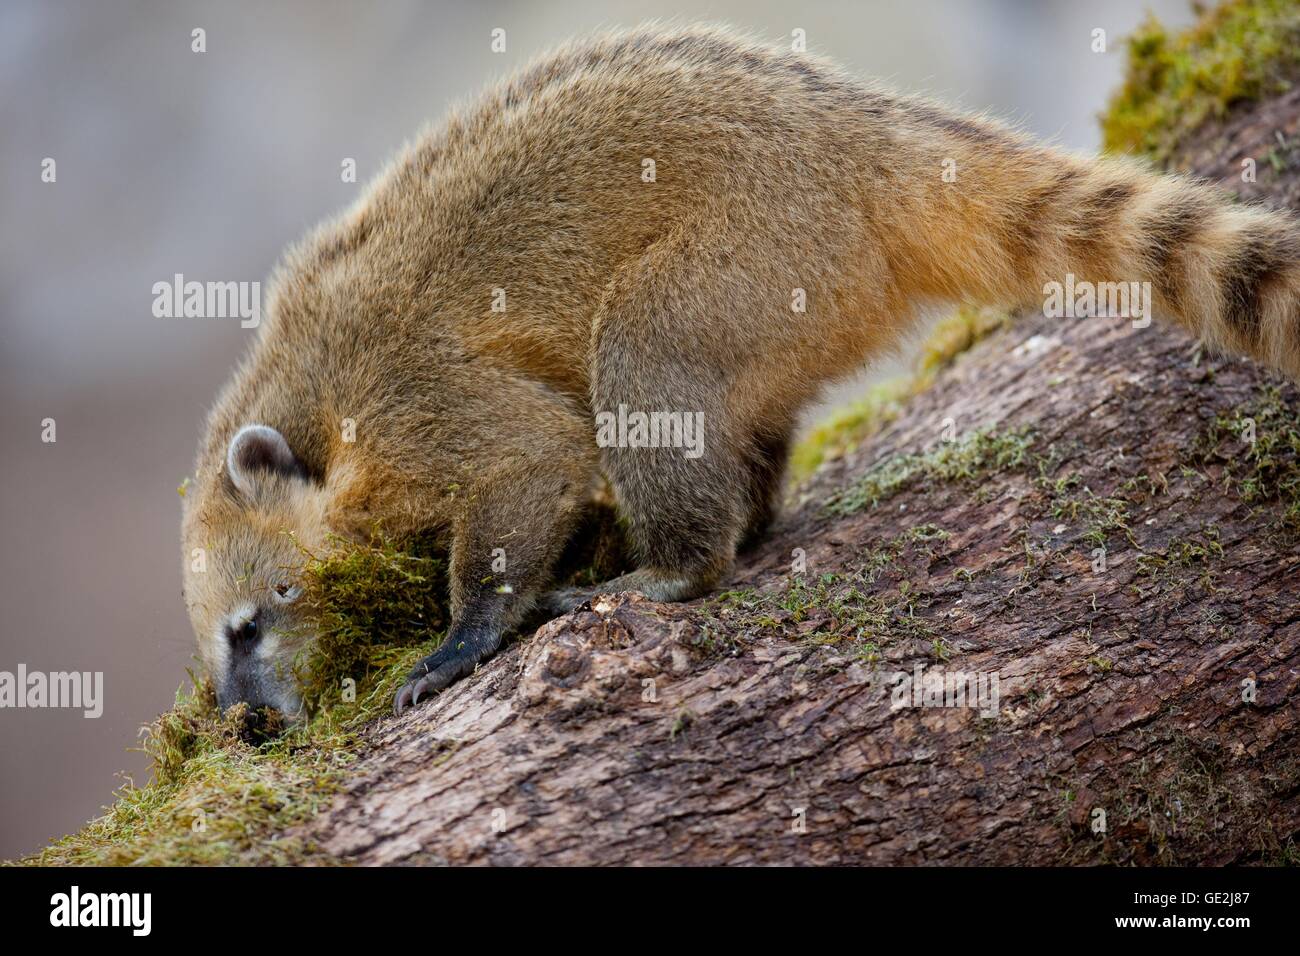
564,600
656,586
448,664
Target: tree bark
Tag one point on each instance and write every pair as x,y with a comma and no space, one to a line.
742,731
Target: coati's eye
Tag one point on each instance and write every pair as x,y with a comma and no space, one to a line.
284,593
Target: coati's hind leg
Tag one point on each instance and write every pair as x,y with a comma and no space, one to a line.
766,460
687,503
685,515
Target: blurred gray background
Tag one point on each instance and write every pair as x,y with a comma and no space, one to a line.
208,164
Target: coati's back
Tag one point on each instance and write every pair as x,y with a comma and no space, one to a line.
812,180
558,177
809,179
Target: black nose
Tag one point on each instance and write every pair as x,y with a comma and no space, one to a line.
244,635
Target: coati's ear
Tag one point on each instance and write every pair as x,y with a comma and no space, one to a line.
259,448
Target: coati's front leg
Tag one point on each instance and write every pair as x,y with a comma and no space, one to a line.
512,525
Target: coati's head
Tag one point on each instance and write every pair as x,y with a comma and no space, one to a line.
246,524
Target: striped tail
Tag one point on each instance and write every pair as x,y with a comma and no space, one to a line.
1012,218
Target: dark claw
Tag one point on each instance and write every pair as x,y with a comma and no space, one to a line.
455,659
421,681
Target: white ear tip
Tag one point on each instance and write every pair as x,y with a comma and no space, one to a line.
258,448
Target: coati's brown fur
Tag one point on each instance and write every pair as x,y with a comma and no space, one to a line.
773,172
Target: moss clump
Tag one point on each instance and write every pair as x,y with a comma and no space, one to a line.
845,612
225,787
848,427
887,555
980,453
1241,50
369,604
845,428
1098,515
1258,445
220,793
957,334
845,609
832,610
1186,552
1195,553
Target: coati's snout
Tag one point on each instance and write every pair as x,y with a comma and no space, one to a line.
243,679
254,665
247,530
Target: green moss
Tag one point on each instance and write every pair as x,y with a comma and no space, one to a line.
1198,551
1184,797
846,428
1103,664
369,605
225,787
219,795
1258,445
840,609
979,454
957,334
1240,50
886,556
1099,516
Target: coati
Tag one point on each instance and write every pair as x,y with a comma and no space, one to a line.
677,221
